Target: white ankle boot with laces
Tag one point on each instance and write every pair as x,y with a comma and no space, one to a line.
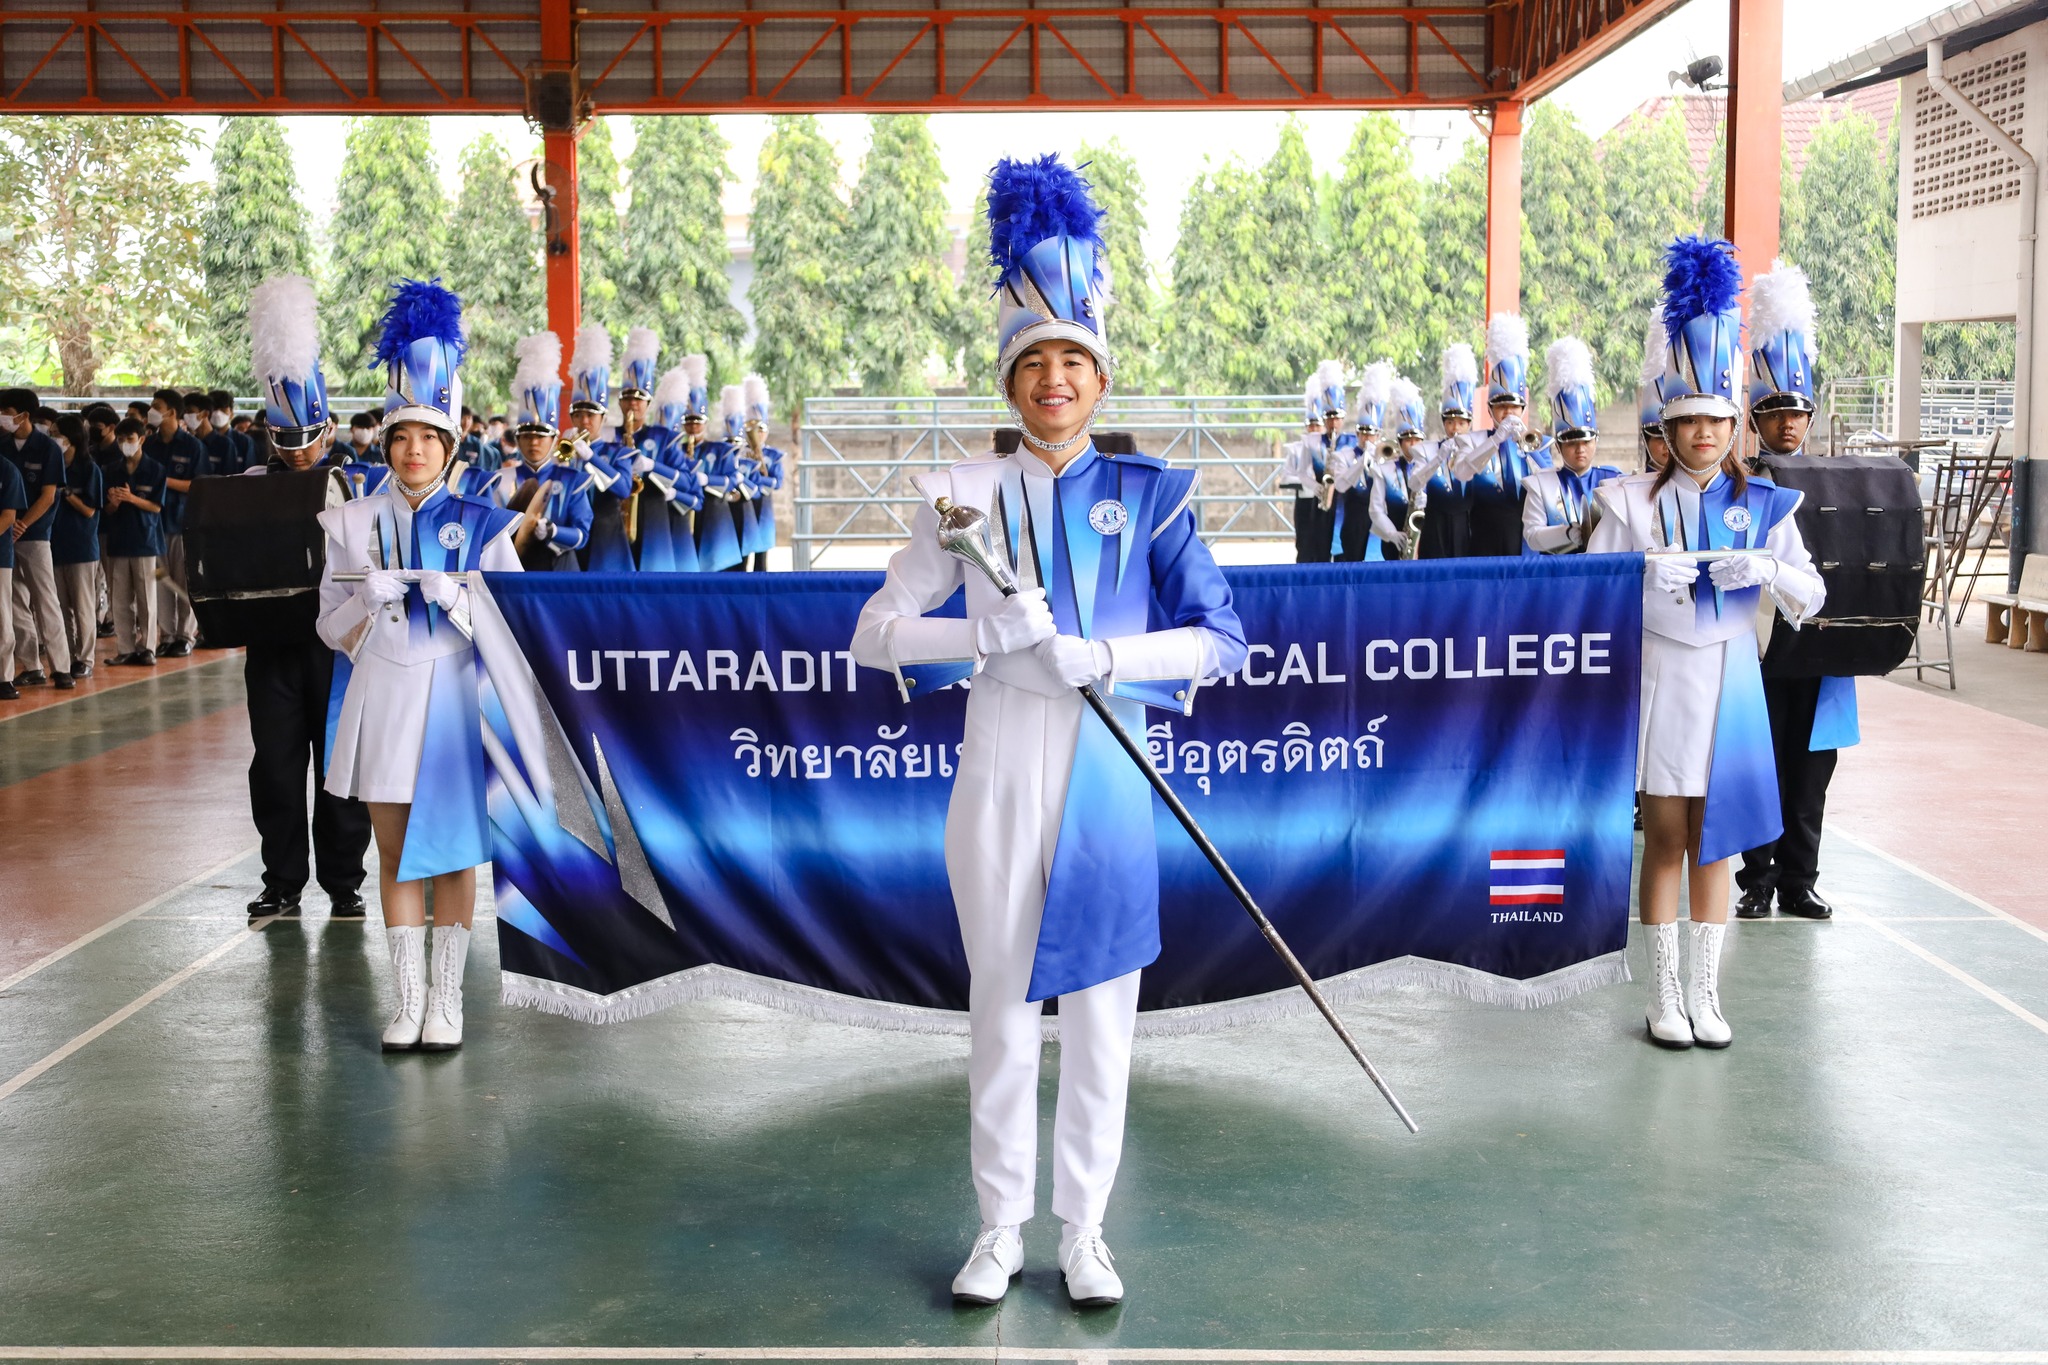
1666,1014
442,1030
408,944
1709,1029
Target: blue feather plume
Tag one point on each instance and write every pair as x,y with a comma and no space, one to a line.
1701,275
420,309
1031,200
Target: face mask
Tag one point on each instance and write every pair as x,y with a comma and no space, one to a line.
45,428
191,421
9,423
361,437
131,448
221,417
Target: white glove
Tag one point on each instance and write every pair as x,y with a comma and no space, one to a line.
1743,571
380,587
543,530
1021,622
1671,575
440,589
1510,429
642,466
1075,661
582,448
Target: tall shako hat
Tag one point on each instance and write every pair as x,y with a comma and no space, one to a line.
1651,385
1405,407
420,345
284,353
1507,360
1460,380
642,347
672,397
697,370
732,406
537,383
1312,404
1568,380
1703,322
1375,386
1328,387
590,371
1781,341
756,392
1045,241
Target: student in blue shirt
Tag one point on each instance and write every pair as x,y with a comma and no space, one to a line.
75,543
38,621
13,502
136,489
182,459
227,451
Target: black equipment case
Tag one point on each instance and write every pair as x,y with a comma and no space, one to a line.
254,555
1863,525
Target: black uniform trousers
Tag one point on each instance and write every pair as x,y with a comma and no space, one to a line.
288,686
1312,527
1789,864
1355,537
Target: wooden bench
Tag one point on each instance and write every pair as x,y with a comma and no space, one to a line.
2020,619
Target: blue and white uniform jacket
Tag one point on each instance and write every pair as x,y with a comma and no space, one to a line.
1557,508
565,501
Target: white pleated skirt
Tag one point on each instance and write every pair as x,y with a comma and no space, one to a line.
381,730
1681,699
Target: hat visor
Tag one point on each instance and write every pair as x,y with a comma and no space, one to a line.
417,412
586,405
1782,402
1056,329
1453,410
298,438
533,429
1574,434
1699,405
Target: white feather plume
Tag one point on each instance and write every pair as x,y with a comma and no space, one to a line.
1507,335
732,401
696,368
593,349
642,343
537,362
1312,392
1567,364
1656,350
1405,394
1330,375
1375,382
673,389
1782,302
756,392
1459,366
284,329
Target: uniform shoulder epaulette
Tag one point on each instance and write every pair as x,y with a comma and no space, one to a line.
1137,458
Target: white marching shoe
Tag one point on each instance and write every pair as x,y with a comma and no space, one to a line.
408,944
1709,1029
442,1031
1666,1015
1088,1268
997,1259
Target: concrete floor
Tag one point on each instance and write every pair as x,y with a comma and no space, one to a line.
202,1148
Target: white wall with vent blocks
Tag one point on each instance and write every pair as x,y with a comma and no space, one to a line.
1952,165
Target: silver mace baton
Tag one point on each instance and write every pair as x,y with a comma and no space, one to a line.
964,534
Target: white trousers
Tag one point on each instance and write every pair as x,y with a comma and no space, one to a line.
173,608
131,590
38,617
1001,829
78,594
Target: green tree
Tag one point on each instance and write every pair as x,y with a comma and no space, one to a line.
494,264
676,280
1134,314
1849,249
1652,197
1379,289
99,242
391,224
1219,290
973,334
1453,222
898,290
1294,327
1567,274
1967,350
600,231
254,228
799,234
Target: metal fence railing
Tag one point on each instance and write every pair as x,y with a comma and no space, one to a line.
1966,411
857,456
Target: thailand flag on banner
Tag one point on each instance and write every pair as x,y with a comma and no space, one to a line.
1526,876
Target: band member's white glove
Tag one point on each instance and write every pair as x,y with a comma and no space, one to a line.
1510,429
1743,571
380,587
582,448
1671,575
543,530
642,466
1021,622
440,589
1075,661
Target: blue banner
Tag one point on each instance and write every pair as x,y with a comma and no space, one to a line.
1424,772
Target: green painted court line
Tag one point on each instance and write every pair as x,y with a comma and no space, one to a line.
1924,875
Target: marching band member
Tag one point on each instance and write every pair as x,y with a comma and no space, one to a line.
674,476
1056,897
1351,462
610,482
1811,718
1305,465
637,448
1704,759
1447,524
724,517
1493,466
1558,510
765,476
1650,393
409,736
1397,492
550,496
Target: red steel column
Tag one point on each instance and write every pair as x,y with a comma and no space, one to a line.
564,257
1756,61
1504,210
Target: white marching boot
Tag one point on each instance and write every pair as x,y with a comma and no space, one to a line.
997,1259
1088,1268
1666,1015
408,944
443,1029
1709,1029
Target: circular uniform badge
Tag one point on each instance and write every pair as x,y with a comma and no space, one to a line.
1108,516
452,536
1736,519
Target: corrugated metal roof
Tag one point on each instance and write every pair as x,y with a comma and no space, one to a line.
1904,52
